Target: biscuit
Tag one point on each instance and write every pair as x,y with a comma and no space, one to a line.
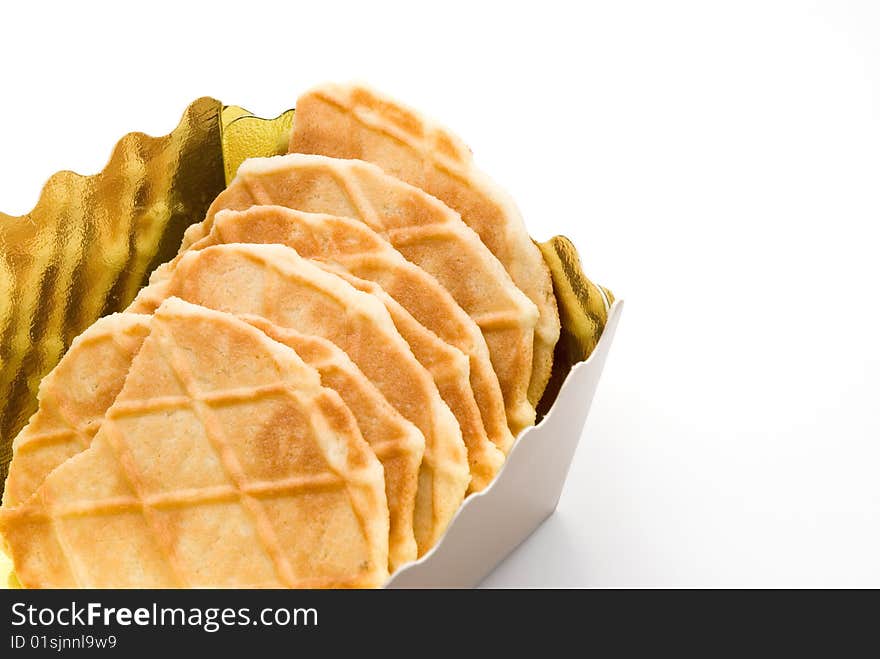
353,121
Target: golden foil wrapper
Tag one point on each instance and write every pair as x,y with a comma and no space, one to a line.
246,136
91,241
583,311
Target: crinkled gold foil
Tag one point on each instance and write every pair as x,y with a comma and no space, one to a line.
583,311
246,136
91,242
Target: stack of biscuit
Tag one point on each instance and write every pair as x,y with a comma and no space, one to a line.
342,351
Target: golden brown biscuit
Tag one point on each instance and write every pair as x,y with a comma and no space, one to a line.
352,121
398,444
73,398
274,282
423,229
222,463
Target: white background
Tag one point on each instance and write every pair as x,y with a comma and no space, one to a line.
716,163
